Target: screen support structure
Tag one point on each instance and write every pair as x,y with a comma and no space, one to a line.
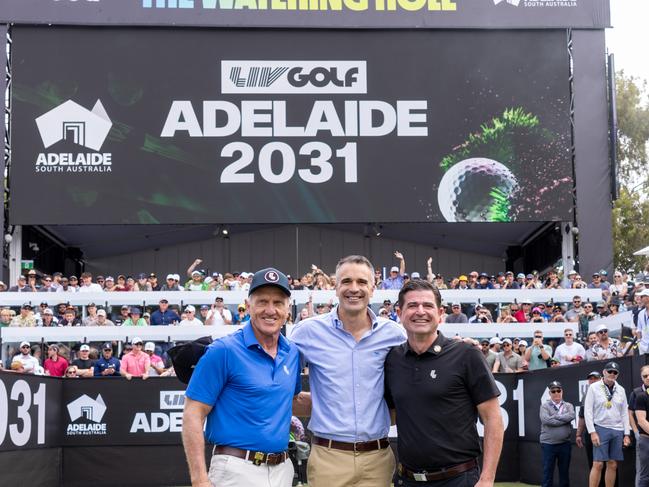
5,84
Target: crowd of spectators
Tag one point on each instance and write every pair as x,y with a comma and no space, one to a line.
503,355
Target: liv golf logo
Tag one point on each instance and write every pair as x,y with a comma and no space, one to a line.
73,123
85,416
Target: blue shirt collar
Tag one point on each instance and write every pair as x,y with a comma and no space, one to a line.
339,324
250,340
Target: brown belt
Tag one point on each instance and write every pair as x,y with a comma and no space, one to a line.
444,473
256,457
359,446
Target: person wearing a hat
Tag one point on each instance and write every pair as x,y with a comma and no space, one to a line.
245,385
524,315
598,282
107,365
219,314
607,421
642,321
134,317
102,319
21,285
164,315
538,355
484,282
197,278
463,282
488,354
456,315
241,316
54,364
606,347
91,318
171,284
157,366
142,283
153,282
70,317
396,278
582,438
392,314
556,431
29,363
510,283
507,361
123,315
83,362
190,317
436,409
25,318
346,350
135,363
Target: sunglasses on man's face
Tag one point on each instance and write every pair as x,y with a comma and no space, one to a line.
538,336
555,391
644,376
602,332
612,372
24,346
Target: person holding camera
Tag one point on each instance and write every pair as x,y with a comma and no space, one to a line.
481,315
538,355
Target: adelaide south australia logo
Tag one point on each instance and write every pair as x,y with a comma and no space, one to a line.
79,130
85,416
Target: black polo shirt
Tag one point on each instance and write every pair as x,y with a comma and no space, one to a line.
435,395
641,403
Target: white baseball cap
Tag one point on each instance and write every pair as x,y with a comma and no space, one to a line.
415,275
190,308
644,292
170,276
22,344
84,348
149,346
101,312
394,269
494,341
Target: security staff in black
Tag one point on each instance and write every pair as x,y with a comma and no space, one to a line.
438,387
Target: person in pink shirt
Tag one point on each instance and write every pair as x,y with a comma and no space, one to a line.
157,365
136,363
55,365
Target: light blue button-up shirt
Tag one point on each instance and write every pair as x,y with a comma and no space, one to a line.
346,376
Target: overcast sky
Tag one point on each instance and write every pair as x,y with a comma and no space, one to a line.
629,37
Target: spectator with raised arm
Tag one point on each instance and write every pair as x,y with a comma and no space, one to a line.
396,278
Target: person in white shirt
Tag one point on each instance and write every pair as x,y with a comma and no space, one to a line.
191,319
642,327
29,362
87,286
219,314
569,352
607,422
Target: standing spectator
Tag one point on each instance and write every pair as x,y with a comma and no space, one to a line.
29,364
87,286
26,318
619,288
582,438
157,366
107,365
135,318
71,372
538,355
641,454
521,349
642,321
219,314
607,421
606,347
456,315
54,364
556,429
396,278
136,363
164,315
84,364
191,319
569,352
507,361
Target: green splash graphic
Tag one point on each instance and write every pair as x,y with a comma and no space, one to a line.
499,209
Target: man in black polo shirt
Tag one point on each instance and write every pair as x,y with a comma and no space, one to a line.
438,387
641,407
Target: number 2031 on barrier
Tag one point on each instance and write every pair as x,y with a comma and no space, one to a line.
319,155
21,431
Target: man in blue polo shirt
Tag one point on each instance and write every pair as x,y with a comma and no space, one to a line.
244,385
346,350
164,315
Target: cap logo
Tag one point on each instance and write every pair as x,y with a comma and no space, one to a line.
271,276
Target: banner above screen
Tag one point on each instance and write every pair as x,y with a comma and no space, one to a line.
483,14
264,126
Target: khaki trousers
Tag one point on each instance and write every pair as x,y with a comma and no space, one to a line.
229,471
328,467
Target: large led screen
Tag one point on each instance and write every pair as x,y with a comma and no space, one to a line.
289,126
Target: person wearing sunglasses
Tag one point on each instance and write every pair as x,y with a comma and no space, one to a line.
556,430
606,347
29,363
607,421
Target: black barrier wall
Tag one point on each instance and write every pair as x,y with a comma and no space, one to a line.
96,430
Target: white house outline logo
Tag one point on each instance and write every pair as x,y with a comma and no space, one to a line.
511,2
88,408
71,121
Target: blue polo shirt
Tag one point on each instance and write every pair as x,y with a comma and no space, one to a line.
251,393
158,318
102,364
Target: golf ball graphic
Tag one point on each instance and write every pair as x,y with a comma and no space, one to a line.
477,190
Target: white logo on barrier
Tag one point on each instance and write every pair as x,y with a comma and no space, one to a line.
511,2
88,408
312,77
71,121
172,399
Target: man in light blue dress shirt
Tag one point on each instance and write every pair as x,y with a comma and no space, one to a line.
345,350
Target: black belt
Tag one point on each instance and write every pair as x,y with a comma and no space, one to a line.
441,474
379,444
256,457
